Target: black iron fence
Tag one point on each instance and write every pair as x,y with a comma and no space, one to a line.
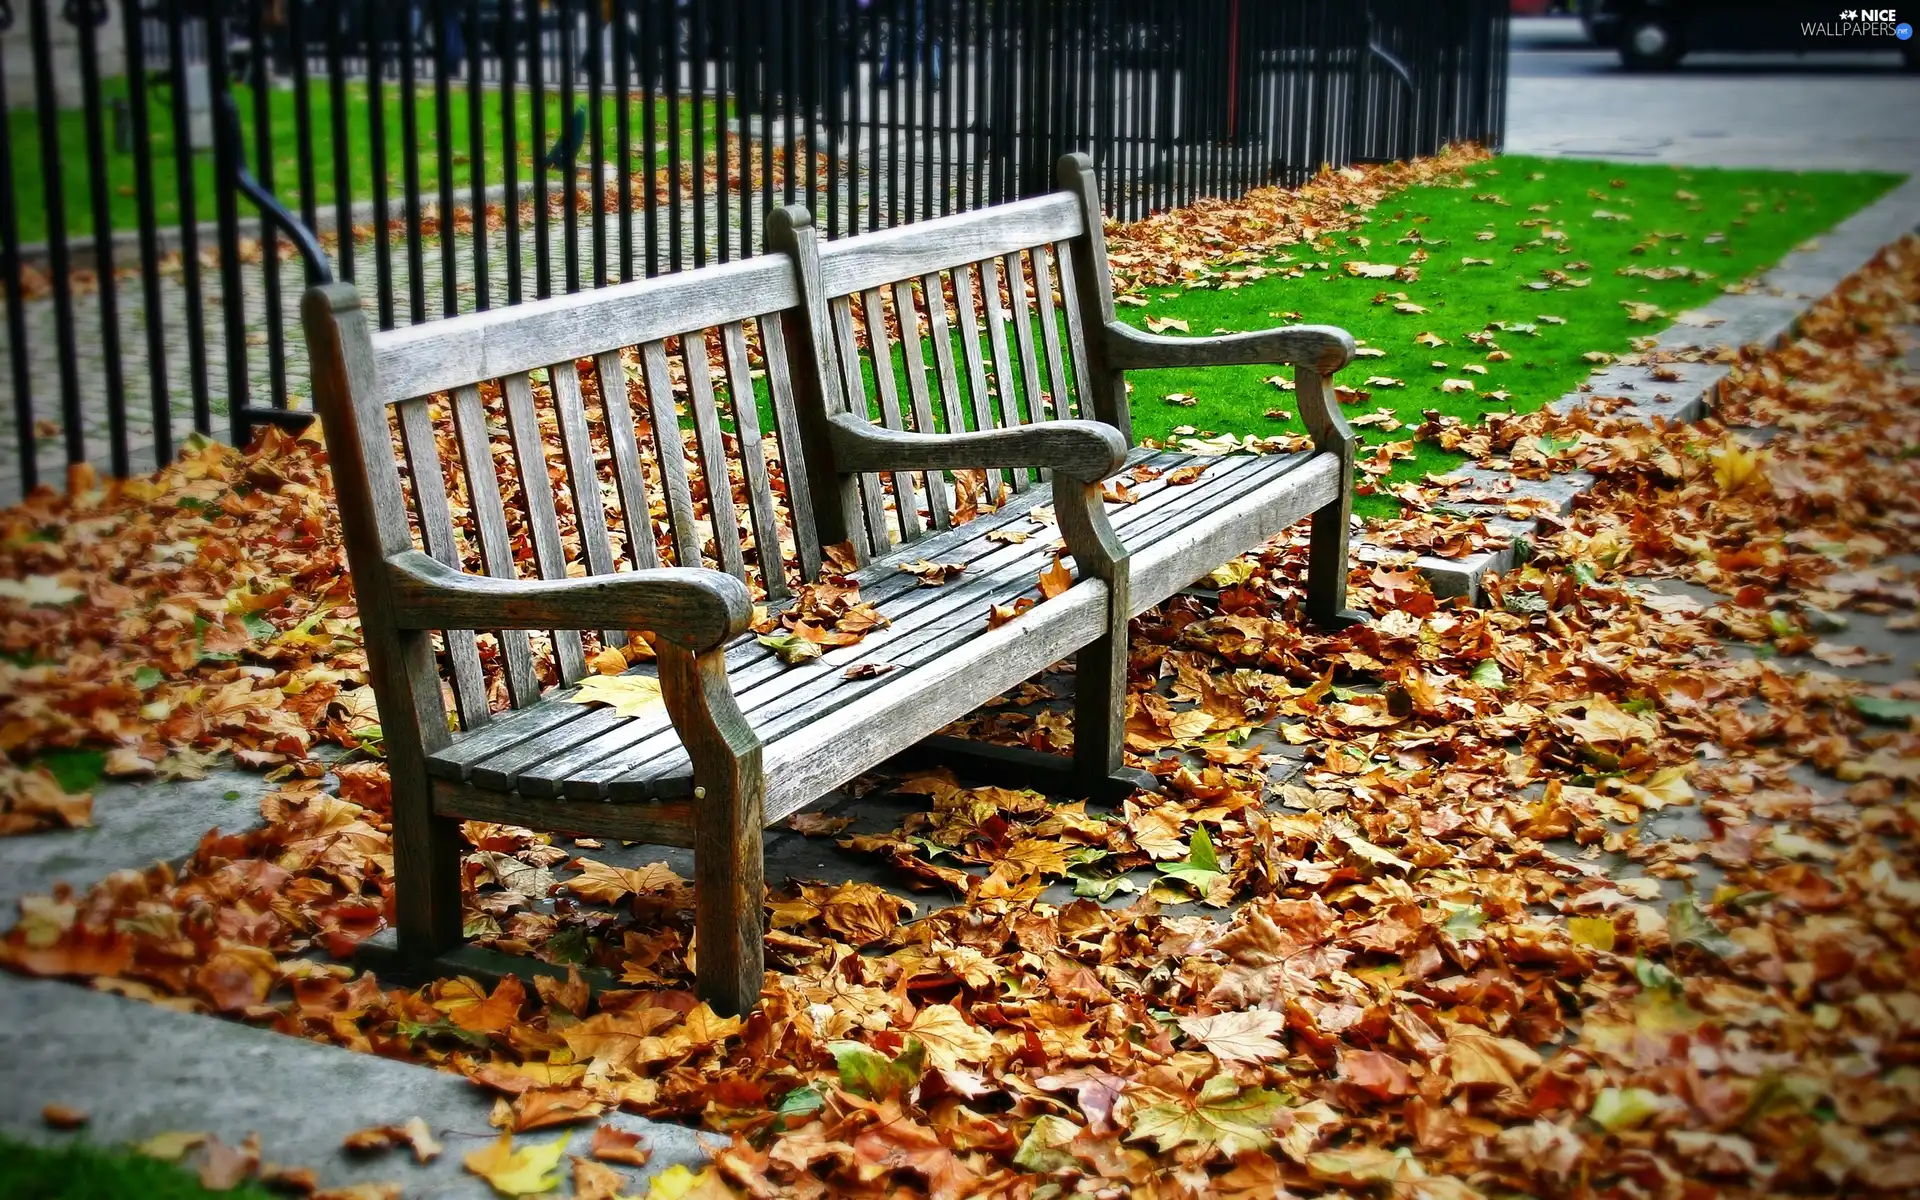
452,155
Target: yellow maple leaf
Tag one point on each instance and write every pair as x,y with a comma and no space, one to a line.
527,1171
627,695
1733,465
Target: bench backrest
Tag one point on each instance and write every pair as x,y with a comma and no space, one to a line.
582,434
976,321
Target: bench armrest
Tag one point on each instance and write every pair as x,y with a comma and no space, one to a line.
692,607
1085,450
1323,349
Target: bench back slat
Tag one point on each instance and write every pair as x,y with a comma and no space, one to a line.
432,509
671,449
490,524
753,461
1005,391
793,470
940,513
715,478
906,495
964,290
583,482
636,507
846,347
1057,387
543,524
1075,318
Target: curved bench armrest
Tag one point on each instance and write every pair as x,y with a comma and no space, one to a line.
692,607
1084,450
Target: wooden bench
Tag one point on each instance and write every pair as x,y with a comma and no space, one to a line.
901,369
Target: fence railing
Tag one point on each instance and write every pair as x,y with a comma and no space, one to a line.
453,155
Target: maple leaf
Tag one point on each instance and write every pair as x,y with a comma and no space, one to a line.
862,912
524,1172
1181,399
1606,724
932,574
950,1041
1367,270
1162,324
1095,1090
1055,579
1246,1037
873,1075
1223,1119
603,884
1200,868
1000,614
64,1116
1045,1148
617,1145
414,1134
40,591
790,648
593,1181
627,695
1409,309
679,1183
1429,339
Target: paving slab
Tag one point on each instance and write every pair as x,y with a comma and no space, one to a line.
134,824
139,1070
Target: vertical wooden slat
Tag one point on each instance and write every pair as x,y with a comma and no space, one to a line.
938,510
713,454
753,460
847,351
1076,330
906,497
436,526
1002,367
940,334
969,321
589,511
629,476
496,543
1050,333
671,450
806,534
1023,336
804,343
536,485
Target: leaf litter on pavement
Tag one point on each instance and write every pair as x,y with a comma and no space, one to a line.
1448,959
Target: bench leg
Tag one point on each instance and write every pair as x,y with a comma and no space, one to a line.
1327,565
729,798
426,871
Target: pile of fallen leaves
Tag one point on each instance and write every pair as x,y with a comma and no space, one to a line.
1215,242
1464,962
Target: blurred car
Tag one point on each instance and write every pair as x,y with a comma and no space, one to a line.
1654,35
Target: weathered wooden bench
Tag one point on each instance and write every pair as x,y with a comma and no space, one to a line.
983,342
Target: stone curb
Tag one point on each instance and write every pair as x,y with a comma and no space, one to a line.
1767,316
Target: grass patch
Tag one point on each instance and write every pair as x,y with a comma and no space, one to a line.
282,109
1588,243
80,1171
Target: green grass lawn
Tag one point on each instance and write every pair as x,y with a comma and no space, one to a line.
1560,251
79,1171
24,131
